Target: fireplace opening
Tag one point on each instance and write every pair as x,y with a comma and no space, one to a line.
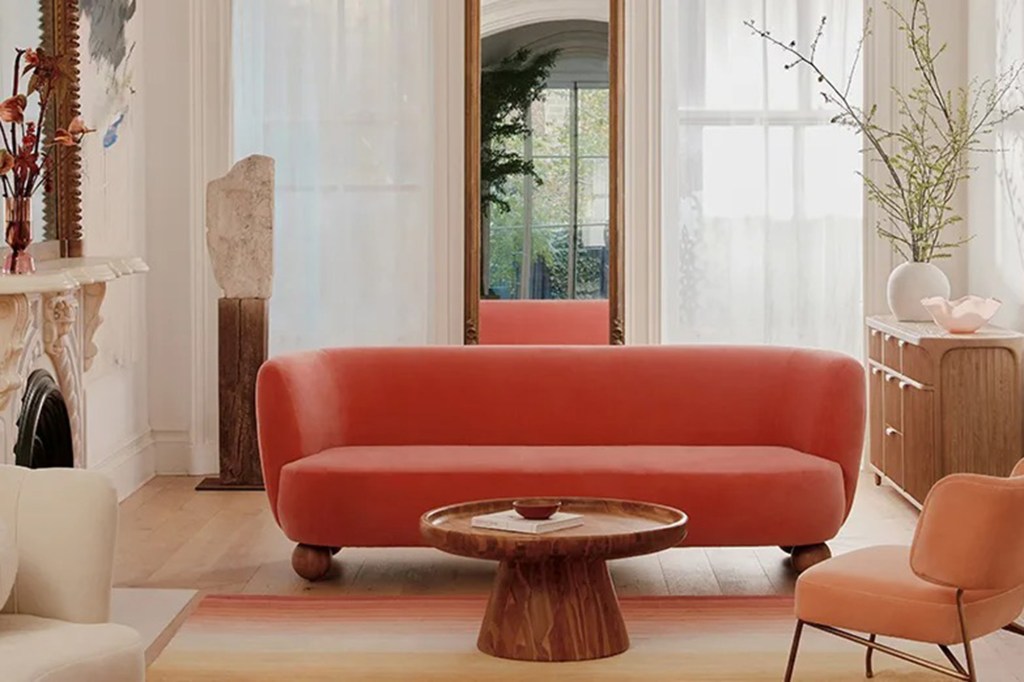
44,428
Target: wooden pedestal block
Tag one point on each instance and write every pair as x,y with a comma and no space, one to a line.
243,346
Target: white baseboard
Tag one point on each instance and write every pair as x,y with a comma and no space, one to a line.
177,455
130,467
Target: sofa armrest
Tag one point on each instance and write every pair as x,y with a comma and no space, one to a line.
828,413
65,526
298,413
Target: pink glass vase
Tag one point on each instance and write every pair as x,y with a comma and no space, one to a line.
18,236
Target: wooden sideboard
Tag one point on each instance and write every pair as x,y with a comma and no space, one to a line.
942,403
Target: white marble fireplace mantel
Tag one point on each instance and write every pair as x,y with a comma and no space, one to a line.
48,320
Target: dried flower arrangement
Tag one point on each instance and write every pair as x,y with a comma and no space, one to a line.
25,162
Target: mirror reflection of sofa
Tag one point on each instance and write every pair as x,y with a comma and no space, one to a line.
556,323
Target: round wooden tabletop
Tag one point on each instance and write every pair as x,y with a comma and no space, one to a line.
612,529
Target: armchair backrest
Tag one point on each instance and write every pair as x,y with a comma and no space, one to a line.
65,525
971,532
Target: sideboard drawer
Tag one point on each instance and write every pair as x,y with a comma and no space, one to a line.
920,460
876,418
917,364
892,401
892,353
875,345
892,455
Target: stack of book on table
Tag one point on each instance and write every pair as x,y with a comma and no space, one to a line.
511,521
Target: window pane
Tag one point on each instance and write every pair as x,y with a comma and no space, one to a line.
593,122
505,258
549,278
592,262
550,119
552,201
747,171
593,203
517,210
832,190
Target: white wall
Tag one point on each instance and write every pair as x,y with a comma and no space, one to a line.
188,143
996,211
114,218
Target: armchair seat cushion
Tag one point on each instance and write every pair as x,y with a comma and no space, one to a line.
42,650
8,563
875,591
739,495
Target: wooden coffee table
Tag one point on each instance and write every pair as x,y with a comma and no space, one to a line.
553,598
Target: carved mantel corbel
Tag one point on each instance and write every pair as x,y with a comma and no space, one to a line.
15,318
60,311
92,299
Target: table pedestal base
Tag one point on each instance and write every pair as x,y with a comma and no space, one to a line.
553,610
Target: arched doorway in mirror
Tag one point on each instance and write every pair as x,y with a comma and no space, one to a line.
543,258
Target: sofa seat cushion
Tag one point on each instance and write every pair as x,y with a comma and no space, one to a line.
874,590
42,650
743,496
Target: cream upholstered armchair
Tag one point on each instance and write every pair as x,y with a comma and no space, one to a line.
54,626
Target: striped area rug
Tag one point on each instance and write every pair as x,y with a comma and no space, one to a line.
301,639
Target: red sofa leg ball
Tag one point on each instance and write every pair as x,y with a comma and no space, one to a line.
311,562
804,557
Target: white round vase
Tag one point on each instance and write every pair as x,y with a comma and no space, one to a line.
908,284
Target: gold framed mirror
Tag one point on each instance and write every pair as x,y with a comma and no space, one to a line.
544,258
62,217
52,25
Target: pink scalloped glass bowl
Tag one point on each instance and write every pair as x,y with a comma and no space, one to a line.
964,315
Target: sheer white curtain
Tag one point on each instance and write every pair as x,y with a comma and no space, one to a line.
763,234
340,93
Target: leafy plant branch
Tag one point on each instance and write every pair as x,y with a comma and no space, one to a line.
927,155
507,90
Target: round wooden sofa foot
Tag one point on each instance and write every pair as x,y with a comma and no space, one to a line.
788,549
311,562
802,558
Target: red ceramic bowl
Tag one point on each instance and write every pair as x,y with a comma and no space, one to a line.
536,509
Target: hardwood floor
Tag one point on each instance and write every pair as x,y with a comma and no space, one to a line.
227,542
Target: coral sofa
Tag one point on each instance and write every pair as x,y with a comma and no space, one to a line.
759,445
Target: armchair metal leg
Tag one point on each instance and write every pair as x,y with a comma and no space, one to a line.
1015,629
971,675
953,660
793,650
869,672
959,671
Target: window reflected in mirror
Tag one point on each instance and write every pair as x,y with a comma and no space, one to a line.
545,162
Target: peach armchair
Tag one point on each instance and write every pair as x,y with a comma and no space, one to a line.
961,579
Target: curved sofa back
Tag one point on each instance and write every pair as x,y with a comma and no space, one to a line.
812,401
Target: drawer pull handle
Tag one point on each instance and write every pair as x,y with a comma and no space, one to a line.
890,377
904,385
875,371
874,333
889,431
888,337
902,343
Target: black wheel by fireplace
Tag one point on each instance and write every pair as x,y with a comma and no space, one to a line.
44,428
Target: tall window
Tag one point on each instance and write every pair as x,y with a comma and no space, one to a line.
553,243
341,94
763,235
